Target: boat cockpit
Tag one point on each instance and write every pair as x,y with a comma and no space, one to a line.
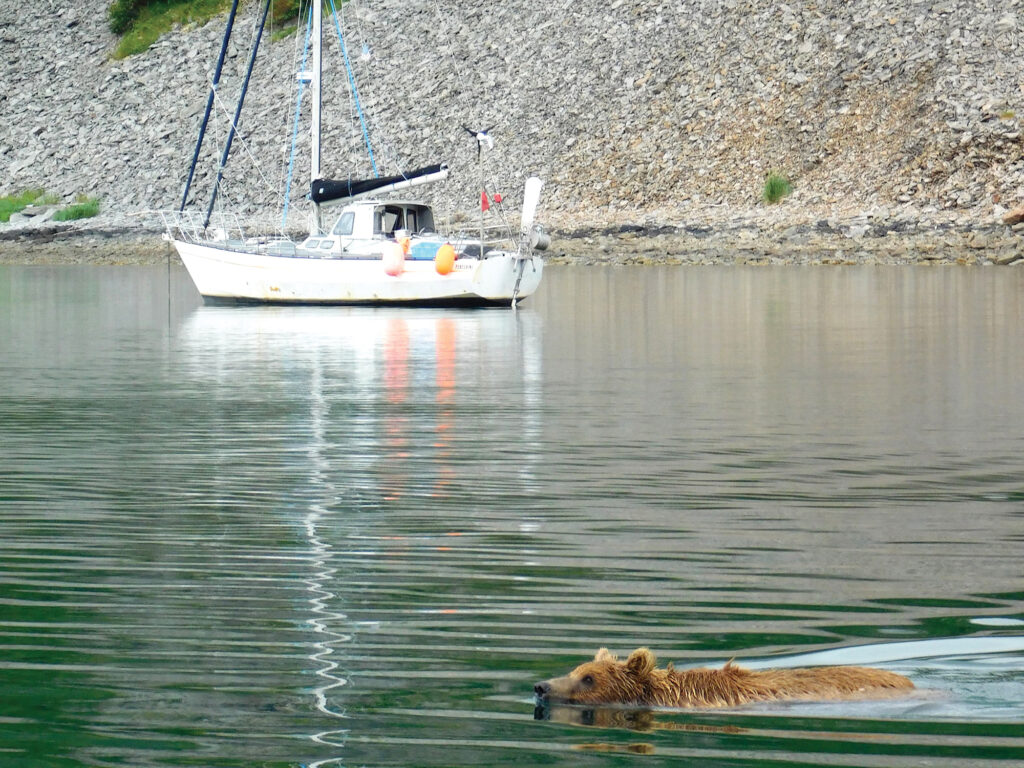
392,217
361,226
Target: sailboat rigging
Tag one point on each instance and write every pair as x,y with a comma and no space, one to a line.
380,250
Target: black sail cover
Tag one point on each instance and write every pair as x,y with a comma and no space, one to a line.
329,190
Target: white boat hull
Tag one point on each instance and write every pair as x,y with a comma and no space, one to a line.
223,274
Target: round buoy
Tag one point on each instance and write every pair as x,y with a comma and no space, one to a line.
444,260
394,259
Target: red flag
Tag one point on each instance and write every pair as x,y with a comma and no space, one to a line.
497,197
485,204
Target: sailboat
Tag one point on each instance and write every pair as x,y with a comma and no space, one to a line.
379,249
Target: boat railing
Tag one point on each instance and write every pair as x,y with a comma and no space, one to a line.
492,234
222,227
193,227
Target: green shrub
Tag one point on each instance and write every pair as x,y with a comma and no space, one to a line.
282,11
141,22
776,187
83,208
285,10
122,14
13,203
145,20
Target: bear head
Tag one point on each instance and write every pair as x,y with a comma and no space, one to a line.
605,680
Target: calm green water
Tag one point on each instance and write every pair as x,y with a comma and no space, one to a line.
356,537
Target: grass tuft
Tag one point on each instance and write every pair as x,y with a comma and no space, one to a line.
281,34
776,187
83,208
13,203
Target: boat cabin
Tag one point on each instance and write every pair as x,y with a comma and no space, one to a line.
361,227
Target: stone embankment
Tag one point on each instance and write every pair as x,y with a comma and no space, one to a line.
654,123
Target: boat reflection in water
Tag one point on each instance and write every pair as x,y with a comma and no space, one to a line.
389,399
366,428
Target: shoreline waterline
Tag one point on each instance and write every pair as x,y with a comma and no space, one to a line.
762,239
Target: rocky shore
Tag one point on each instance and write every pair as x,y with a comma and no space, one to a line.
864,239
91,242
899,124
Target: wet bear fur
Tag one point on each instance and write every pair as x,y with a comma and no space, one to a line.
636,681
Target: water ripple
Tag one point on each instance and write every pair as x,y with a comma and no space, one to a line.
309,536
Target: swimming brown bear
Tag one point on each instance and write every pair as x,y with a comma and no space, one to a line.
635,681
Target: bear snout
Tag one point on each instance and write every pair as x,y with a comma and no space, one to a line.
556,689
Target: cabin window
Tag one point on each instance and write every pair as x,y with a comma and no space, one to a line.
311,244
426,220
326,245
387,219
345,224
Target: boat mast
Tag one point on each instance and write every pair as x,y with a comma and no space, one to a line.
314,165
482,138
483,193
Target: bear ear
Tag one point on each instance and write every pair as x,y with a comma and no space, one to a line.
640,663
604,655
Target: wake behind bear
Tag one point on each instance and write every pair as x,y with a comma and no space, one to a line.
635,681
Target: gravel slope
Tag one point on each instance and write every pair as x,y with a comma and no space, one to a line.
664,117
